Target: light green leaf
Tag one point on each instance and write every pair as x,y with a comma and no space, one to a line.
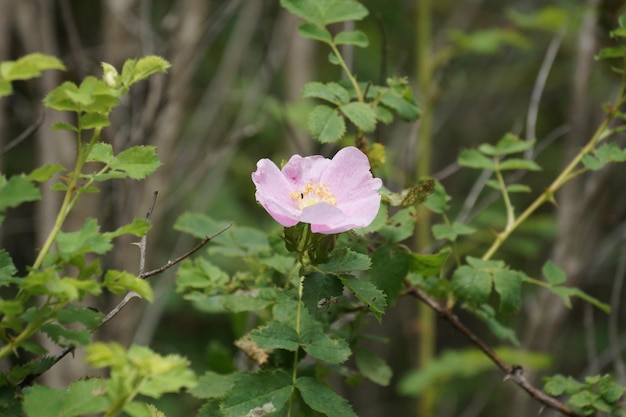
87,239
356,38
93,120
324,12
402,103
139,228
101,152
452,231
45,172
373,367
7,269
79,314
257,392
322,399
17,190
315,31
29,66
508,144
611,52
6,89
80,398
515,163
147,66
553,273
64,126
361,115
331,92
138,162
367,293
199,225
548,18
326,124
213,385
119,282
488,41
471,284
472,158
64,337
511,188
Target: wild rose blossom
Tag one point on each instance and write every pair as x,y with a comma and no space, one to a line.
333,195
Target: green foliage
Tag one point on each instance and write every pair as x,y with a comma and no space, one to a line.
597,394
27,67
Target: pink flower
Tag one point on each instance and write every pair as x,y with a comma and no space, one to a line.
333,195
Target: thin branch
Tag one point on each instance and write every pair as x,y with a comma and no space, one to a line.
513,373
25,134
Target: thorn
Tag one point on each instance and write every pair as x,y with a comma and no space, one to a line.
138,244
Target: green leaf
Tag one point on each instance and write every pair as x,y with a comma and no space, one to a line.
139,228
472,158
487,314
511,188
64,126
213,385
471,284
611,52
78,314
119,282
45,172
508,144
429,265
361,115
144,67
7,269
101,152
80,398
322,399
400,226
331,92
257,392
326,124
138,162
515,163
198,274
161,374
315,31
324,12
199,225
367,293
17,190
87,239
275,335
93,120
64,337
356,38
29,66
437,202
373,367
488,41
508,284
553,273
320,291
452,231
345,261
402,103
548,18
390,265
6,89
318,344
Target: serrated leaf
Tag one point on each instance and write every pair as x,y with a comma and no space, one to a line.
17,190
322,399
400,226
45,172
508,284
486,313
80,398
508,144
101,152
275,335
7,269
331,92
553,273
472,158
213,385
139,227
88,121
345,261
361,115
372,366
29,66
145,67
119,282
611,52
356,38
390,265
324,12
367,293
78,314
138,162
451,231
315,31
405,108
258,391
64,337
429,265
326,124
64,126
515,163
320,290
87,239
471,284
511,188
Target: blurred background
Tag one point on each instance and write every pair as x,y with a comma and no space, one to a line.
231,97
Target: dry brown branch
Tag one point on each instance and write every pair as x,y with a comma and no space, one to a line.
512,372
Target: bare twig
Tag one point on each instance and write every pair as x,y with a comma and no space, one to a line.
513,373
25,134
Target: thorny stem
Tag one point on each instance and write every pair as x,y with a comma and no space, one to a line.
566,175
513,373
296,359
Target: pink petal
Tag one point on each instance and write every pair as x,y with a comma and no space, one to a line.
273,192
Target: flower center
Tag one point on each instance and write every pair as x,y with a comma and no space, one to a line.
312,194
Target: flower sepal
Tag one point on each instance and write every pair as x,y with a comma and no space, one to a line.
312,248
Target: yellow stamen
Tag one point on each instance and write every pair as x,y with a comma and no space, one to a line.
312,194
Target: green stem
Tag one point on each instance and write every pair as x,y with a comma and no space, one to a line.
566,175
296,359
510,211
41,317
426,316
344,66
